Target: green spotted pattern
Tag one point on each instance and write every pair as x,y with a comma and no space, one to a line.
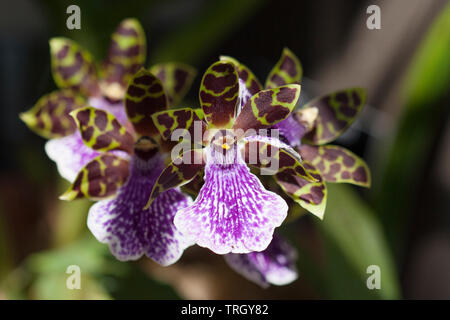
337,111
288,70
100,178
50,117
312,196
101,131
268,107
126,54
176,79
337,164
219,94
73,67
178,173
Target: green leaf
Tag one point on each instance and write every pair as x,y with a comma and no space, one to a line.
406,160
352,226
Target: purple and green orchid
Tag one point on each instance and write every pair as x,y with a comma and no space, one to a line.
233,212
307,129
120,180
82,84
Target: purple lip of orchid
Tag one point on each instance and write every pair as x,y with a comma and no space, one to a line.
233,212
122,222
275,265
75,73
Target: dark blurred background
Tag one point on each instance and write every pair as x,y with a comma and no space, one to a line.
402,223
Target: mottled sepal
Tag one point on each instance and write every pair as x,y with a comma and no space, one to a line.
337,164
337,111
126,54
268,107
144,97
50,115
168,121
246,75
73,67
179,172
99,179
275,158
193,187
219,94
101,131
288,70
176,79
312,196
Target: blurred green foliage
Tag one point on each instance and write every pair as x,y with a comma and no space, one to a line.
407,162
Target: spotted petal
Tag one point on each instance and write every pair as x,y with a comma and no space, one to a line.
310,195
219,94
176,79
169,121
145,96
126,54
248,82
337,111
268,107
101,130
288,70
275,265
179,172
337,164
274,156
232,213
129,230
50,115
99,179
73,67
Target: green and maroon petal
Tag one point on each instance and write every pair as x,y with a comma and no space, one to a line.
219,94
193,187
337,111
179,172
73,67
126,54
50,117
100,178
312,196
337,164
288,70
245,74
168,121
176,79
274,156
101,131
145,96
268,107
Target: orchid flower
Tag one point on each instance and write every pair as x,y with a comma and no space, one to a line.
233,212
75,73
121,220
318,122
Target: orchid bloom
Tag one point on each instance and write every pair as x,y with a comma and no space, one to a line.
318,122
121,221
75,73
233,212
